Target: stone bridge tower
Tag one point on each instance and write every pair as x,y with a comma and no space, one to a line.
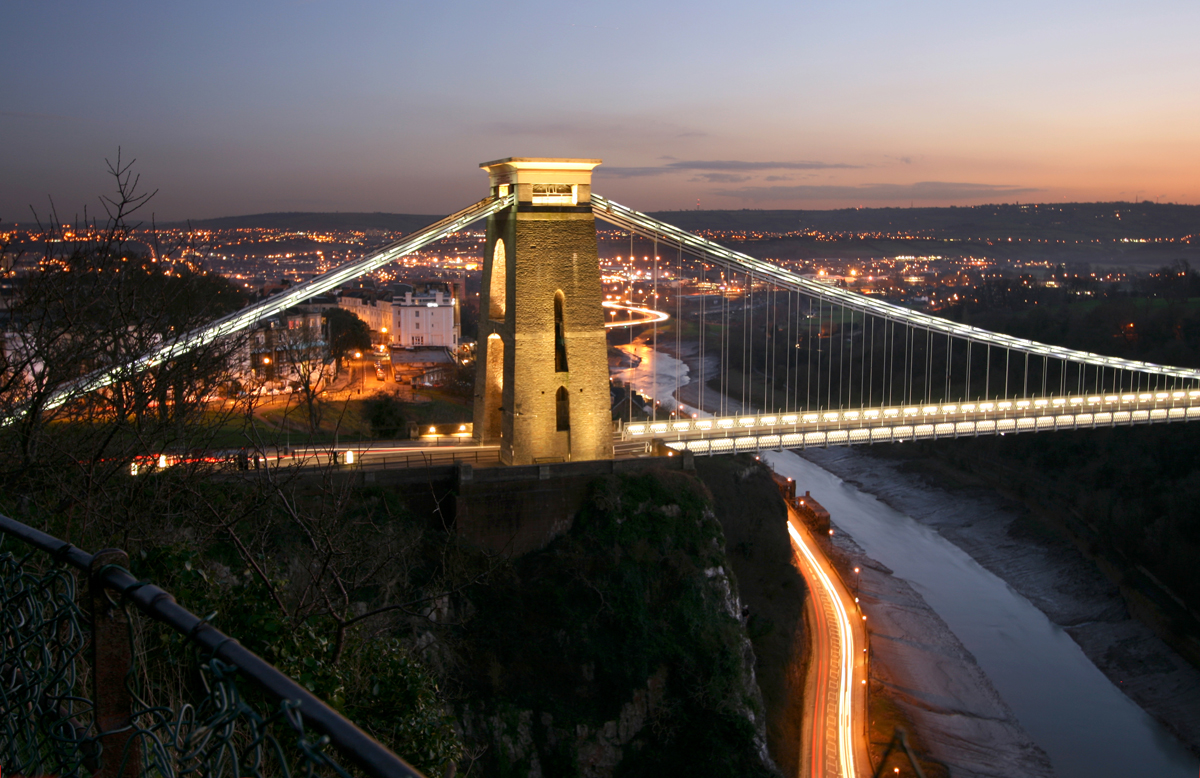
541,388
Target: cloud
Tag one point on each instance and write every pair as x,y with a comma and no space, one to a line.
722,178
744,166
628,172
717,165
569,128
923,190
778,178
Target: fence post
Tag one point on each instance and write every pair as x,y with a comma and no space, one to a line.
112,661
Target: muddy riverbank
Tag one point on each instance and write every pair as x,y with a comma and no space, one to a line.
938,683
1045,568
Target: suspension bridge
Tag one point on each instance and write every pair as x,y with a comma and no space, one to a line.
783,361
797,362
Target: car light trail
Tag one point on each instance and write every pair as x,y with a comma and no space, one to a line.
649,315
845,693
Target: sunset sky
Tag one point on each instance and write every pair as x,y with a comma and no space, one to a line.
235,108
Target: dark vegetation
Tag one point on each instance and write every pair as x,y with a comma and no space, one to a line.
385,413
633,600
346,334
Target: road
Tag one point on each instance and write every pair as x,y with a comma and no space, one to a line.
375,457
835,734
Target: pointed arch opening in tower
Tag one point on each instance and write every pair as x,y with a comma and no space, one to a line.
560,339
562,409
498,289
494,388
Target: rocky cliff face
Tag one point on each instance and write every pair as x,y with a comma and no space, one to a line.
770,589
620,649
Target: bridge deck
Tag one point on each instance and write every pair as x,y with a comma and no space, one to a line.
728,434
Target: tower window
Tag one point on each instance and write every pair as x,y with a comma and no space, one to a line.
562,409
560,341
555,194
498,289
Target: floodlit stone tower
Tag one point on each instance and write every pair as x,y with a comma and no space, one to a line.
541,388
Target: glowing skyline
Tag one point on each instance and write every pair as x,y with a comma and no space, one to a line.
318,106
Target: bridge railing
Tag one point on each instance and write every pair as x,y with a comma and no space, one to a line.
76,698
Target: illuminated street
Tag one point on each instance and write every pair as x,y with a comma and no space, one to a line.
834,726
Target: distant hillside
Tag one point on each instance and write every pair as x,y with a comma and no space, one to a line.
298,220
1066,221
1115,235
1100,235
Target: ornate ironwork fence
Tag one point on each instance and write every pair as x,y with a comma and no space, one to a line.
76,697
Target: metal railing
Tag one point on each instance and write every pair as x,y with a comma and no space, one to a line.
71,696
431,458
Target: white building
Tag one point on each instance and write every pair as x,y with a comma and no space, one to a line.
424,314
377,313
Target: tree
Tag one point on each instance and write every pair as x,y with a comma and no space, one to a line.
331,583
385,414
95,295
306,365
346,334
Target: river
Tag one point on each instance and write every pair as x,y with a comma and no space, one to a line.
1083,722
